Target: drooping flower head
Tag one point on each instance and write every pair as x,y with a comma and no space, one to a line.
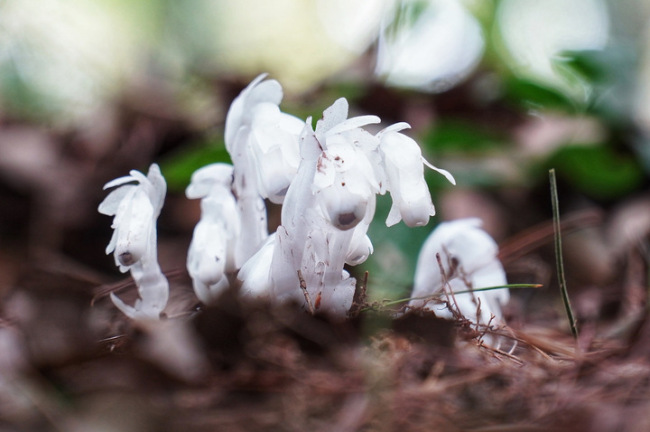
469,258
345,182
264,138
135,208
404,177
211,255
263,145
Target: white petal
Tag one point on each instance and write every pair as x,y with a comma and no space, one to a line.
158,188
343,208
394,215
335,114
205,179
360,248
394,128
256,272
445,173
236,112
112,201
353,123
136,224
119,181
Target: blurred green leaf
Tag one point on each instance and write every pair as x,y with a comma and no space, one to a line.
612,75
641,147
590,65
464,146
531,94
597,171
179,167
455,135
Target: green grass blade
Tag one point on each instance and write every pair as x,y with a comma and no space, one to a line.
440,294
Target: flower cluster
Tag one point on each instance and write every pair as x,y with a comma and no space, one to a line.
326,179
329,205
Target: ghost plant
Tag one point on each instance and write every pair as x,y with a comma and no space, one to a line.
468,258
135,208
211,256
327,180
263,145
329,206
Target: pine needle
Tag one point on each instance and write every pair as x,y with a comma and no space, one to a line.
558,254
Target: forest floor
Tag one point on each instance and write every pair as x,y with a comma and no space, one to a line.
69,361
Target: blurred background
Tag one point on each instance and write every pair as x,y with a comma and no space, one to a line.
497,92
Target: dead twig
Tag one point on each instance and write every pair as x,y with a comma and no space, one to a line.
303,287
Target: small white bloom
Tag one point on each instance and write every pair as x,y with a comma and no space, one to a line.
212,251
262,140
403,165
136,208
263,144
345,181
469,258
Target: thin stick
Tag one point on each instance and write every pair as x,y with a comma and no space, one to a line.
303,287
445,284
558,254
364,287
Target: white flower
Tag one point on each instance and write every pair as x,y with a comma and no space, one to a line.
345,181
344,184
212,251
469,258
263,144
262,140
404,170
136,208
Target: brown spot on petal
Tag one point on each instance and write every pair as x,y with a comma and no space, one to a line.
346,219
126,258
